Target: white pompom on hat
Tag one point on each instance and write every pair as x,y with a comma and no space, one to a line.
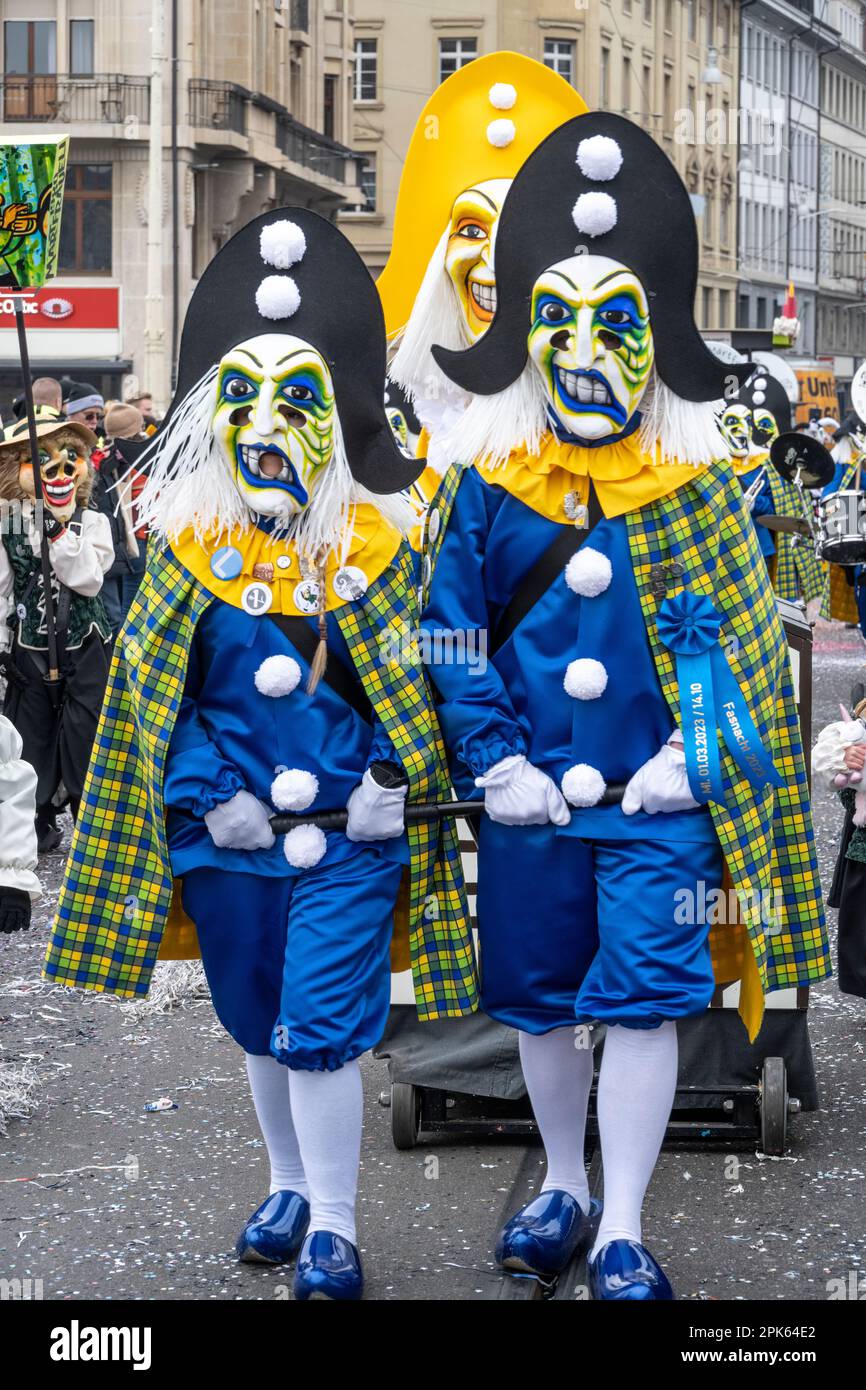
589,572
501,133
599,157
294,790
282,244
278,297
305,846
594,213
585,679
502,95
583,785
277,675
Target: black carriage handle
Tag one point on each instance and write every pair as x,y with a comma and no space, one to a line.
422,810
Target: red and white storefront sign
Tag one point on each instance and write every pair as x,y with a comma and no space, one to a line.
64,322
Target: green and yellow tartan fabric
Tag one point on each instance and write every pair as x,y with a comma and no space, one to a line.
767,837
117,889
799,572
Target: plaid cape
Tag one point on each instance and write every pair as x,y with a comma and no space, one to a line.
799,572
704,532
117,891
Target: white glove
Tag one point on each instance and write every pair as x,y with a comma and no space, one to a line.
516,793
662,783
375,813
241,823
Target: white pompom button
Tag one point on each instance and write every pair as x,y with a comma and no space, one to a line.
583,785
305,846
501,133
585,679
277,676
588,572
294,790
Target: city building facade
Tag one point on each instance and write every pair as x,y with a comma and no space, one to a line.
259,95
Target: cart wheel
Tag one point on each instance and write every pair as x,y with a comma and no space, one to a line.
774,1105
405,1114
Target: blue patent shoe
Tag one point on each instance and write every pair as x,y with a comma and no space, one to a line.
624,1269
544,1236
274,1232
329,1266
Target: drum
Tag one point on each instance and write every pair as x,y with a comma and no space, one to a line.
842,528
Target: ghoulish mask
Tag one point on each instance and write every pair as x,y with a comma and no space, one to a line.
64,467
592,342
764,426
469,251
735,424
275,421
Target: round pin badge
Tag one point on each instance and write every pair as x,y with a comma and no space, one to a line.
227,562
350,582
256,599
433,525
284,562
306,596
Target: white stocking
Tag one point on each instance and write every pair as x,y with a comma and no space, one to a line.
269,1083
557,1068
327,1107
635,1095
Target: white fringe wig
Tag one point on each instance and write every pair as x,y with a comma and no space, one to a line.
436,317
493,426
190,485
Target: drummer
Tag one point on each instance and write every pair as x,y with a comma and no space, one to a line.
845,586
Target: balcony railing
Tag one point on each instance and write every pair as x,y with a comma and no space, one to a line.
104,99
218,105
304,146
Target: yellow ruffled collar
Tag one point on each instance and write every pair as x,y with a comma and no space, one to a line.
552,480
260,574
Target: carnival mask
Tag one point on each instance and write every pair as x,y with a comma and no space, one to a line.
764,427
63,467
275,421
469,252
592,342
735,424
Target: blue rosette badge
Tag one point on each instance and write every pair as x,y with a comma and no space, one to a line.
710,698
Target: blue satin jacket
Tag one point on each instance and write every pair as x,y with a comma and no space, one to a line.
230,737
518,703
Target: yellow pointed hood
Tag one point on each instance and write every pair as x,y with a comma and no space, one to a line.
454,147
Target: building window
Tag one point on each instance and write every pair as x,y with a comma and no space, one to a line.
724,308
366,69
605,79
559,55
30,66
366,183
626,85
81,47
669,16
647,11
692,6
329,106
85,231
707,298
743,311
454,54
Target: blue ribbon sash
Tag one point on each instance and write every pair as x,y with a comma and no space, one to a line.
709,699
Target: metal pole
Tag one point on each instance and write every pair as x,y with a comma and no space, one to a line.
50,623
154,325
175,203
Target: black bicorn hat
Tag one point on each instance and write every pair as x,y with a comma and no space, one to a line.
763,391
291,271
600,185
